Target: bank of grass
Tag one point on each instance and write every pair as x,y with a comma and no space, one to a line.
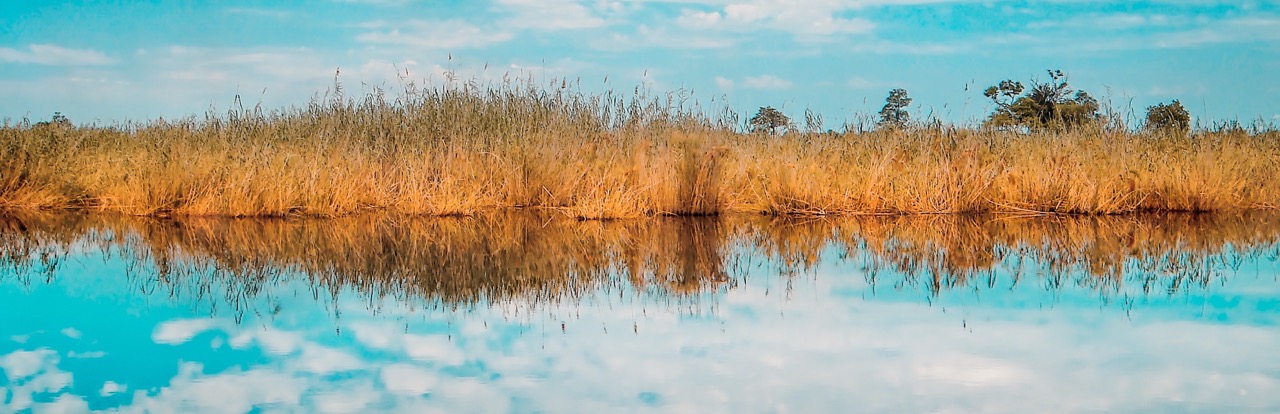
460,150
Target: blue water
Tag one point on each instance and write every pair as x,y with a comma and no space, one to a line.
99,334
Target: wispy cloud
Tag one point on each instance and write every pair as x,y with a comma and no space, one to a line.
46,54
428,34
808,20
724,83
549,14
377,2
261,12
766,82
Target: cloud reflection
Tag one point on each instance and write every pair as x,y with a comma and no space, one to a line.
742,315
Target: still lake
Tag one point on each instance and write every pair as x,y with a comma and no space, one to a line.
539,313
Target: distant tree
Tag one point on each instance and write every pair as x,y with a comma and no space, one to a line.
1051,104
1171,117
769,120
894,113
58,120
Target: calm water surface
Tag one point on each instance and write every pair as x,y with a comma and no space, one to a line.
527,313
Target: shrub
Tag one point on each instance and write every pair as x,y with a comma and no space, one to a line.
1171,117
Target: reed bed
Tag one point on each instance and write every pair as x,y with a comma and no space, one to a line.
468,149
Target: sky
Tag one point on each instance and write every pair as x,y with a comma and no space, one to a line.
111,61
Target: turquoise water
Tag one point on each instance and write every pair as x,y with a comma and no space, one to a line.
101,327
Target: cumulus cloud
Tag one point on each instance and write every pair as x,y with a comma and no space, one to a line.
31,373
46,54
228,392
23,364
179,331
110,388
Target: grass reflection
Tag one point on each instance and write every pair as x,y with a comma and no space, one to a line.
533,260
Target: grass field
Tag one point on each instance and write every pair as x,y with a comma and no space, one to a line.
462,150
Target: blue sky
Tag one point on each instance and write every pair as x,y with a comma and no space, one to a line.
109,61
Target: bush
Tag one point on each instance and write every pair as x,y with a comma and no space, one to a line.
1171,117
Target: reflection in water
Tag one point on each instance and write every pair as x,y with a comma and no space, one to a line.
528,258
402,289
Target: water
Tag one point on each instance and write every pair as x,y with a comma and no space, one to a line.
528,313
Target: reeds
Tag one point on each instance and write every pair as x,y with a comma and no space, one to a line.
465,149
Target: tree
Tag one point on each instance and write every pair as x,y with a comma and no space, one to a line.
1172,117
1046,105
769,120
894,113
59,120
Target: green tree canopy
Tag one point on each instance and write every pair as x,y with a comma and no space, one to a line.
1171,117
1051,104
894,113
769,120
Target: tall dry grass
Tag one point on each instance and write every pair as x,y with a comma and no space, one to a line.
464,149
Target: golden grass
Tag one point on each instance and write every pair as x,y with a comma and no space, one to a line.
467,149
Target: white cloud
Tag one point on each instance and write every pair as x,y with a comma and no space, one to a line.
549,15
885,47
1110,22
261,12
435,348
228,392
22,364
378,2
323,360
46,54
407,379
272,340
766,82
64,404
724,83
110,388
698,19
71,333
858,82
86,355
815,20
660,37
348,399
438,35
30,373
179,331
